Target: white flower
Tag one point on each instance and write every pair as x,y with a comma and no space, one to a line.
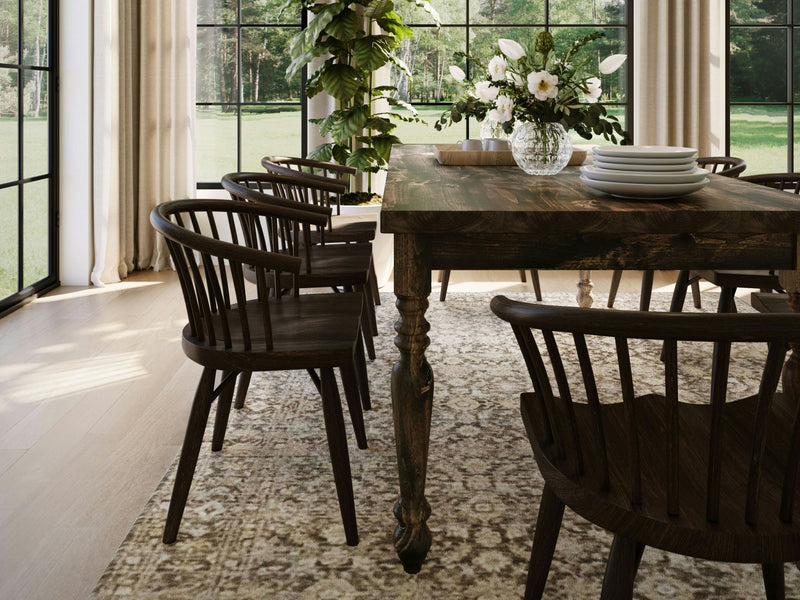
593,90
457,73
515,79
497,68
543,85
612,63
511,49
485,91
503,110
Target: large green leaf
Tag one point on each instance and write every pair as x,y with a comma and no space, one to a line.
341,154
426,6
393,24
373,51
344,26
306,39
322,152
380,124
364,159
402,66
378,8
346,123
383,145
341,81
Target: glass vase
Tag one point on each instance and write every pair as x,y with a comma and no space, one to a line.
540,148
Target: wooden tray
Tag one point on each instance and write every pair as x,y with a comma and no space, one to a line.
452,154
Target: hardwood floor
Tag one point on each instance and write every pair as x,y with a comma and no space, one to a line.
94,397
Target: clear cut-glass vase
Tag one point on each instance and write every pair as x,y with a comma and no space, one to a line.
540,148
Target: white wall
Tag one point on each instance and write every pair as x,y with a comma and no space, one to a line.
75,132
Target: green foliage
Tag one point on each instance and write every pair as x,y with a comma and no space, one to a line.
344,29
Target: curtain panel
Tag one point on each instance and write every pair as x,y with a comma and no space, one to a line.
679,73
143,128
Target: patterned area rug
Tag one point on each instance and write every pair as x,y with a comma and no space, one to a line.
262,519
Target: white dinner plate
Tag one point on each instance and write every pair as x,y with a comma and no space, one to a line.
683,167
646,151
644,176
635,160
639,191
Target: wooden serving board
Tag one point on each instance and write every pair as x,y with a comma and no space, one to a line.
452,154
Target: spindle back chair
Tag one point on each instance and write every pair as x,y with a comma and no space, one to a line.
714,480
235,328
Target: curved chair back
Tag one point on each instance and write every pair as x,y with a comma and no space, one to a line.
314,170
730,166
781,181
715,479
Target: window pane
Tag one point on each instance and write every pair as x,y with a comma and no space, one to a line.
614,84
483,40
587,11
758,65
216,64
759,135
272,133
796,63
34,123
450,12
8,31
796,139
35,33
507,13
219,12
268,12
34,232
8,125
265,56
429,57
9,283
216,142
424,133
758,11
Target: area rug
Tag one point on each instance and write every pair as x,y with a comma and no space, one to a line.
262,519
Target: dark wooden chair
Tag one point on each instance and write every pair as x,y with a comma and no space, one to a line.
342,227
236,328
727,166
326,264
444,279
713,480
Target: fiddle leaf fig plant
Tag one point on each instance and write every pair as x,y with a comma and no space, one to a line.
345,32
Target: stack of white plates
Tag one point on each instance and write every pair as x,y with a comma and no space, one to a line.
644,171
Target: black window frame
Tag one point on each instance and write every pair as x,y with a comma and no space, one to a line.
50,281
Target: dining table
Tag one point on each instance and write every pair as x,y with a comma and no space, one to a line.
499,217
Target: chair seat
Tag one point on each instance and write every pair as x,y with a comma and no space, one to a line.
740,279
349,228
308,331
689,533
331,265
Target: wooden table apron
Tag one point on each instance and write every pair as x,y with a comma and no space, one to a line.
450,217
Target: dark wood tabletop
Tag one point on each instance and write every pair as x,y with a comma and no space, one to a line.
464,217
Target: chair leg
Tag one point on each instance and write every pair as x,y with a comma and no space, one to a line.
340,459
315,379
679,293
696,294
373,282
612,291
647,290
522,276
241,390
223,411
198,417
773,581
361,375
445,280
727,300
366,328
548,524
369,306
537,286
621,569
351,394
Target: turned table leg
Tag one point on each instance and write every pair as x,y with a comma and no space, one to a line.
412,400
585,286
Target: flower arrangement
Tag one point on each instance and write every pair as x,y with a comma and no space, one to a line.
538,86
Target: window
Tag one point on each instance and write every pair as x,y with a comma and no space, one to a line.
245,107
763,79
28,187
474,26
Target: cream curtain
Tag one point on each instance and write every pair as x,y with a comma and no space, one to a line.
679,73
143,127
